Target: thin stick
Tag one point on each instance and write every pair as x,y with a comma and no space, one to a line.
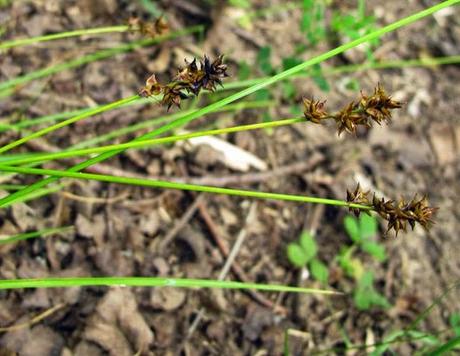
34,320
229,263
180,224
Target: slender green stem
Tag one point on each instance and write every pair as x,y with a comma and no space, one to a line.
11,186
245,83
56,36
152,282
54,127
352,68
93,57
33,234
160,120
182,186
446,347
27,122
228,100
157,141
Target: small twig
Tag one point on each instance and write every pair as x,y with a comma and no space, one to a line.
229,263
34,320
245,178
235,266
95,200
180,223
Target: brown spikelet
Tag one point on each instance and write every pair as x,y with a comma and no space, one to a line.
376,107
314,111
398,214
191,79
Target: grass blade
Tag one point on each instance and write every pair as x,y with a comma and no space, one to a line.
30,235
92,57
153,282
446,347
54,127
56,36
140,144
181,186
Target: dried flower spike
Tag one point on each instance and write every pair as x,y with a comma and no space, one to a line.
398,214
376,107
189,80
314,111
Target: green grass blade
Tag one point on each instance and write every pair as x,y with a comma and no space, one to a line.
54,127
106,53
28,122
352,68
140,144
160,120
153,282
11,186
446,347
56,36
30,235
181,186
228,100
423,62
37,193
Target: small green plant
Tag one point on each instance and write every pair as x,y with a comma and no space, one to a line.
312,23
362,231
365,295
302,254
354,25
433,345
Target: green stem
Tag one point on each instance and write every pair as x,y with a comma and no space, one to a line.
11,186
160,120
67,34
245,83
228,100
158,141
92,57
351,68
182,186
150,282
33,234
48,129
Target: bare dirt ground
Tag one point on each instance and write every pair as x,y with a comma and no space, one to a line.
124,231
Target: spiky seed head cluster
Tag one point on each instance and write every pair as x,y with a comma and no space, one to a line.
398,214
191,79
158,27
376,107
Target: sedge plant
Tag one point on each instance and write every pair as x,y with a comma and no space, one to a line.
207,75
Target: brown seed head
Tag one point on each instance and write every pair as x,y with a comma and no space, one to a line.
191,79
398,214
314,111
379,105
